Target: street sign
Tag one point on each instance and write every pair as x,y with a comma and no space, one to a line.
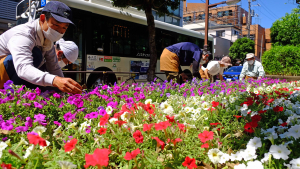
43,3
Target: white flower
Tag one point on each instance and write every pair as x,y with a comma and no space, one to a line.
164,105
279,152
225,157
112,120
109,109
66,165
288,166
236,157
255,164
83,126
72,125
148,101
266,158
244,110
294,131
28,151
126,116
44,148
205,105
169,110
240,166
214,155
249,154
0,154
40,130
255,142
295,163
57,131
3,145
23,141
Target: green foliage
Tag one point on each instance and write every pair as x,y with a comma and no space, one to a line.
241,47
286,31
161,6
282,60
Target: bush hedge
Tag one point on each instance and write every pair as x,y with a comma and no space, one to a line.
282,60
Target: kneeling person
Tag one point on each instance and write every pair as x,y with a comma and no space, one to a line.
252,69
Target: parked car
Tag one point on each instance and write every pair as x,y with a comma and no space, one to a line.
233,73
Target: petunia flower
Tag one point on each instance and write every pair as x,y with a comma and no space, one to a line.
102,131
34,139
206,136
69,146
138,137
31,96
131,155
162,125
147,127
7,125
69,117
57,123
66,165
38,105
190,163
279,152
159,142
99,157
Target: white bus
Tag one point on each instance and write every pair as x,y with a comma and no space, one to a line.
111,39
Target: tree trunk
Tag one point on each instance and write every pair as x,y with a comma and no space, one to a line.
152,44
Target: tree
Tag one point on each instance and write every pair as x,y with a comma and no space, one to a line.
241,47
286,31
162,7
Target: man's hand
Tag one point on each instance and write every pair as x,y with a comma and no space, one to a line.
67,85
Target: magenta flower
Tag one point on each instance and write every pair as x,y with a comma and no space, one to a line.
78,103
21,89
40,118
43,102
28,122
61,104
57,123
31,96
33,133
56,95
102,112
88,129
7,125
26,104
38,91
21,129
69,117
38,105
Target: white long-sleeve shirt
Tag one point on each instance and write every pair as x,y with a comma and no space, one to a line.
19,42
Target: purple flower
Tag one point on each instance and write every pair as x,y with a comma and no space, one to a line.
57,123
43,102
102,112
4,139
8,84
38,105
28,122
33,133
78,103
56,95
40,118
61,104
69,117
38,91
31,96
168,94
21,129
100,107
7,125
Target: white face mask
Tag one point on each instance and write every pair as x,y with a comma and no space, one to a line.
251,62
61,64
52,34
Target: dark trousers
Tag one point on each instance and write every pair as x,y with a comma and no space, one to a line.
11,72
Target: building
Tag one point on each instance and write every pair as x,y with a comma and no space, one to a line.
7,14
221,47
268,39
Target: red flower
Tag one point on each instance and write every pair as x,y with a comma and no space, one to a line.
174,141
181,127
100,157
283,124
104,120
120,122
206,136
102,131
215,104
211,109
147,127
205,145
278,109
159,142
33,139
215,124
262,111
117,115
5,166
249,126
138,137
237,117
170,119
150,108
132,155
162,125
190,163
256,118
69,146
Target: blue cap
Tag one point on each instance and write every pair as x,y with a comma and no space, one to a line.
60,11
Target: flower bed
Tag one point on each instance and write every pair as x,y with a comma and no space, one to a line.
235,125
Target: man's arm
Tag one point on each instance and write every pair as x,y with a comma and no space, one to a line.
52,63
261,72
20,48
243,73
221,77
206,73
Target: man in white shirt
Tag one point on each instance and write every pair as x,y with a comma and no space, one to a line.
25,48
216,67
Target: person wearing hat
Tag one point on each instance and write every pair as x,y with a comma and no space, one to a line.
66,52
216,67
252,69
25,48
181,54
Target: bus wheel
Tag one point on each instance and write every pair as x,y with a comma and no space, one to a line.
98,78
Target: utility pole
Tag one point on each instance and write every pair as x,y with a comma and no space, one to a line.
249,18
262,38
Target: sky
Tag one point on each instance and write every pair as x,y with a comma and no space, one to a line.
268,12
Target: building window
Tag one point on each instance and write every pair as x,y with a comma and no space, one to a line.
176,21
228,13
220,14
235,32
168,19
220,33
161,18
188,18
